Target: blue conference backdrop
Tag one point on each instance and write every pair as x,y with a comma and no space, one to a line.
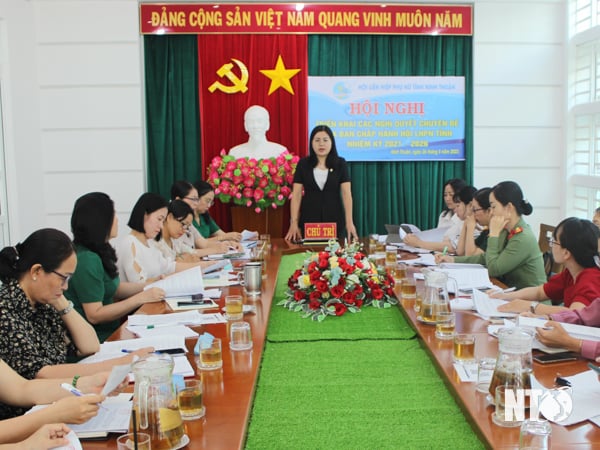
391,118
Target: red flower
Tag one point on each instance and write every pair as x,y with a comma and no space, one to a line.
358,303
323,263
321,286
314,304
348,298
337,291
314,296
314,276
299,295
340,309
377,293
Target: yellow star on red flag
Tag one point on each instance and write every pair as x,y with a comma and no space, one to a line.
280,76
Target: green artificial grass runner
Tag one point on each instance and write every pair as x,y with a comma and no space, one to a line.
370,323
346,386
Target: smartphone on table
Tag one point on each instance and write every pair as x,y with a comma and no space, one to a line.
549,358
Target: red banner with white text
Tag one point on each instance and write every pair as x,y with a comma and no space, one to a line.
307,18
238,71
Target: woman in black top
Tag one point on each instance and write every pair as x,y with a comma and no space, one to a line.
323,176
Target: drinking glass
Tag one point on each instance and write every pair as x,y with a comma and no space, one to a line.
464,348
373,238
211,357
409,288
419,300
535,435
126,441
485,370
234,307
240,337
266,238
499,416
189,398
400,271
391,256
444,325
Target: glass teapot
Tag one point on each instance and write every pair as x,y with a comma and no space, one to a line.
155,403
514,364
435,297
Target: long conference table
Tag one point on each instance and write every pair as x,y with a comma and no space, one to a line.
228,393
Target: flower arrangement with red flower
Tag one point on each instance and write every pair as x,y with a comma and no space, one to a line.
338,280
257,184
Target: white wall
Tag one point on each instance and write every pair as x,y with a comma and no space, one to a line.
73,99
520,101
76,103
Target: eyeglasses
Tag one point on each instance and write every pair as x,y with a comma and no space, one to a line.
185,226
477,209
552,241
65,278
209,202
193,199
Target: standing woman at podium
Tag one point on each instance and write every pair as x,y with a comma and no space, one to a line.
324,177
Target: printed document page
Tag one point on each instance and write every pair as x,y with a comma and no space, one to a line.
187,282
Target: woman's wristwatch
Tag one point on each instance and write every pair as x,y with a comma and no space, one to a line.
67,310
533,306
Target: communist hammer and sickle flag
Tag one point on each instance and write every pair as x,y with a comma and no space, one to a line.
236,71
237,83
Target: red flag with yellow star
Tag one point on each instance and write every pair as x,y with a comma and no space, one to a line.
236,71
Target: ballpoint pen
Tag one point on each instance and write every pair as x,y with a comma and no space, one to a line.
76,392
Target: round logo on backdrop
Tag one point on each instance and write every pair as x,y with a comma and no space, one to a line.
556,404
340,91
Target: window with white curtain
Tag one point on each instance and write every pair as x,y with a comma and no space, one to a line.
583,156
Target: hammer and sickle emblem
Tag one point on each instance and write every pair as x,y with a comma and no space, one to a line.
238,84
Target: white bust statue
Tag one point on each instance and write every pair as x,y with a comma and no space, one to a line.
256,124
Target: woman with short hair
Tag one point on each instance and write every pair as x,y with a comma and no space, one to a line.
322,189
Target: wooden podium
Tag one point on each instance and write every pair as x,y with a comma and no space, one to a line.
267,221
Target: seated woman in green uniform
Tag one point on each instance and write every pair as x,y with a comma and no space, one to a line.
512,255
323,177
185,191
95,288
205,224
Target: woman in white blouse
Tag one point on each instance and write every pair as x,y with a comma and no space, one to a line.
139,258
448,220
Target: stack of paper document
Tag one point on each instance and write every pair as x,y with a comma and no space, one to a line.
249,236
113,417
173,330
181,318
186,282
487,307
585,396
577,331
467,279
425,259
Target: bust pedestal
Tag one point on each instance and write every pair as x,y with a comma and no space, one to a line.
268,220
